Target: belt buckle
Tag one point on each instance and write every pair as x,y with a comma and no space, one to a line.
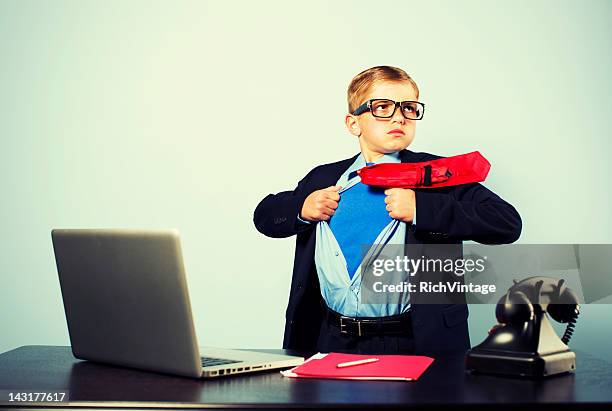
343,325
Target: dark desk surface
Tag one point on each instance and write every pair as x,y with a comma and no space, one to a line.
445,383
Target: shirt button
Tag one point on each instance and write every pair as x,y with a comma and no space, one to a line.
337,253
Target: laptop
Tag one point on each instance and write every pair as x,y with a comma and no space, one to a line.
126,302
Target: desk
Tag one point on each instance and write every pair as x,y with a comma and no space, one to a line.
445,384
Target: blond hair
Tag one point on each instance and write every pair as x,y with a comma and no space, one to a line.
363,82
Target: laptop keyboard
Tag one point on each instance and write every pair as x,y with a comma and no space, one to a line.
211,362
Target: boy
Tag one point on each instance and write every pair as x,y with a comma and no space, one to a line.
324,311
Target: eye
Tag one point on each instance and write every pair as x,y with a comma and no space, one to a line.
382,107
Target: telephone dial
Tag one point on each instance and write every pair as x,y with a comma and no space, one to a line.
523,343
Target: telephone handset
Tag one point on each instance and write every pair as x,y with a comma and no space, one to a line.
524,342
552,296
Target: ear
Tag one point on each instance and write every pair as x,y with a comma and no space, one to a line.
352,125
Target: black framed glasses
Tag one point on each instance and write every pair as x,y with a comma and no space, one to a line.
384,108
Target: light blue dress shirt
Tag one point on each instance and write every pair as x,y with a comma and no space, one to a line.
340,291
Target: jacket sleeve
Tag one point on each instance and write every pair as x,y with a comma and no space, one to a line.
277,214
468,212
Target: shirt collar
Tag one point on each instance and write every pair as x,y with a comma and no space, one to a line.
360,163
386,158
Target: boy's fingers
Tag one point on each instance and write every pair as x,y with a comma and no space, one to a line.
332,188
330,211
326,214
326,208
327,205
330,204
332,195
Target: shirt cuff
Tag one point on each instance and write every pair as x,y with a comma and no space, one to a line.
302,221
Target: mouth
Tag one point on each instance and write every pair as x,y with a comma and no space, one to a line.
396,131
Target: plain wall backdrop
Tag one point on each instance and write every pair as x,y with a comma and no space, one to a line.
185,114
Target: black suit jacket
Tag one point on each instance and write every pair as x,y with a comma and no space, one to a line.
444,215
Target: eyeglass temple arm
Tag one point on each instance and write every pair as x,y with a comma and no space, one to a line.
362,108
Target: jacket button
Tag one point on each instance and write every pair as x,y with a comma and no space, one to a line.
299,285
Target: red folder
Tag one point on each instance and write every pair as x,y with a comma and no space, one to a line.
388,367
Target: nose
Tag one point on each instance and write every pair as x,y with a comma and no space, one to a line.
398,117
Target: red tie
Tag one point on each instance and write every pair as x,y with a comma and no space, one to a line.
449,171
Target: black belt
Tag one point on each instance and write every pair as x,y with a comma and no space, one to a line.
366,326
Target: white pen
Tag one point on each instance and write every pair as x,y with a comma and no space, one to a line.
358,362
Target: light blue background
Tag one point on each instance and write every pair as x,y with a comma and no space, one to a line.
114,114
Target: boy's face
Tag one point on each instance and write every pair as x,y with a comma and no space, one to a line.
378,136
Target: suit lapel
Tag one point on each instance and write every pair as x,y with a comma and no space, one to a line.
335,171
407,156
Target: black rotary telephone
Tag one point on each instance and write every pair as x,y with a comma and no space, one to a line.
524,342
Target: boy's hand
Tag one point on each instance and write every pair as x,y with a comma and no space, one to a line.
320,205
400,203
